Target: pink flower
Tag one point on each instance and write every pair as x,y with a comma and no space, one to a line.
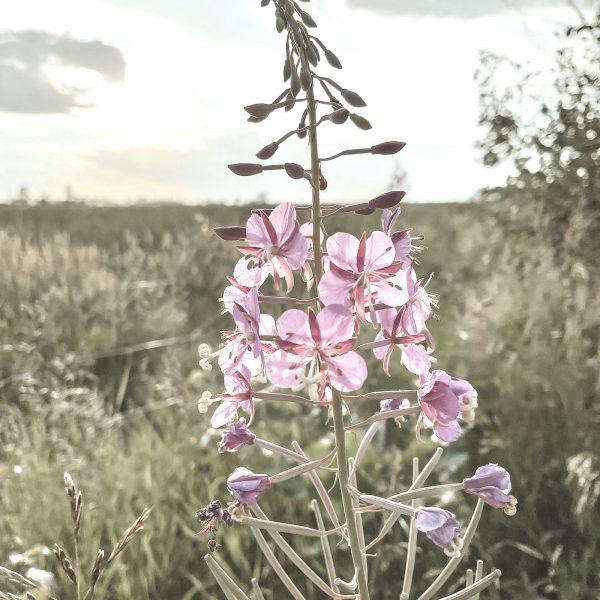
492,484
238,395
274,246
235,436
401,239
415,301
243,345
322,340
360,272
244,485
440,397
441,527
415,358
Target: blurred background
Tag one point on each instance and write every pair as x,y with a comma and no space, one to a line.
117,118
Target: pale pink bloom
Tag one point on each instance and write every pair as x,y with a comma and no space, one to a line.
274,245
324,342
415,358
401,239
244,485
243,345
237,395
361,272
415,301
440,397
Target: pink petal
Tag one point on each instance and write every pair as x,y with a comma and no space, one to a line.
347,372
333,288
283,368
292,326
224,413
283,219
416,359
250,276
447,433
342,249
380,251
380,351
256,233
296,250
336,324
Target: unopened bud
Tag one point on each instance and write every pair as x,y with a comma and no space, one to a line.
387,147
259,110
322,183
294,83
287,69
312,54
352,98
245,169
294,170
333,60
387,200
305,78
307,19
360,122
267,151
232,233
339,116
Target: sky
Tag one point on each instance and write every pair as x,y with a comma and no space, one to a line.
128,100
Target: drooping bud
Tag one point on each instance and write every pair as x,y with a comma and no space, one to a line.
339,116
387,147
259,110
235,436
279,21
352,98
244,485
287,69
333,60
360,122
245,169
294,83
294,170
305,78
267,151
231,233
307,19
322,182
312,53
387,200
264,2
301,133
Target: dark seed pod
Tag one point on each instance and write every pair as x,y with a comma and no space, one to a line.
260,110
287,69
230,234
387,147
305,78
295,83
339,116
387,200
245,169
360,122
267,151
294,170
332,59
352,98
307,19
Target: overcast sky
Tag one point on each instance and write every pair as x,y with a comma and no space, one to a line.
131,99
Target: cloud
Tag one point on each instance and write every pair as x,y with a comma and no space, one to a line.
25,83
458,8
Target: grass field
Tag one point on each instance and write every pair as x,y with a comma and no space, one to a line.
101,311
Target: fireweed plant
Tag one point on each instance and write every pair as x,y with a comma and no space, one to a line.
310,355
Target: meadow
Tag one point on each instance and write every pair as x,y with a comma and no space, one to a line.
101,312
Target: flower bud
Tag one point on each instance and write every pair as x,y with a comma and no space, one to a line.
294,170
235,436
260,110
287,69
322,182
305,78
387,200
267,151
387,147
333,60
307,19
352,98
312,54
340,116
441,527
232,233
244,485
360,122
245,169
294,83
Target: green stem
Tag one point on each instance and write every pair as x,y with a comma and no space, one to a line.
338,417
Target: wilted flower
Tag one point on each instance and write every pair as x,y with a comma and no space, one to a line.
440,397
441,527
244,485
274,245
212,516
235,436
492,484
238,395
